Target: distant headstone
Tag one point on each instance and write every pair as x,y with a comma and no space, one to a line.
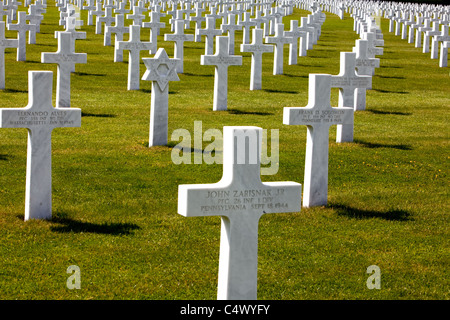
4,43
40,118
179,37
240,199
209,32
119,30
230,29
365,66
257,48
134,46
318,116
198,19
295,34
221,60
66,59
279,40
160,70
246,24
443,56
348,81
22,28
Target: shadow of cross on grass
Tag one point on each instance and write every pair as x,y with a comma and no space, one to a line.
67,225
391,215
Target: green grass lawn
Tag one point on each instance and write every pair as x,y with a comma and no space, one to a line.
115,199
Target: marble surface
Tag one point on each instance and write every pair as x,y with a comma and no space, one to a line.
347,81
240,198
134,46
4,43
279,40
40,118
221,60
66,60
318,116
179,37
257,48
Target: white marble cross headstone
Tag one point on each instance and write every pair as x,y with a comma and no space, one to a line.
365,66
160,70
198,19
230,29
4,43
22,28
66,60
318,116
347,81
279,40
240,199
221,60
179,37
40,118
257,48
209,32
443,36
118,29
246,24
295,34
154,25
134,46
443,55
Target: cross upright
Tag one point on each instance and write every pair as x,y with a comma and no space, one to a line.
414,29
230,28
310,34
134,46
137,17
66,60
257,48
107,19
40,118
240,198
441,37
365,66
279,40
98,12
179,37
261,22
154,25
34,17
75,35
372,48
318,116
443,55
90,7
213,14
198,19
160,70
246,24
221,60
119,30
4,43
347,81
22,28
3,12
295,34
427,35
209,32
426,26
121,9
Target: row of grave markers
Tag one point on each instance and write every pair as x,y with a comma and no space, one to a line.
241,145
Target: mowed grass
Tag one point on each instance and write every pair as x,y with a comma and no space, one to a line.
115,199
